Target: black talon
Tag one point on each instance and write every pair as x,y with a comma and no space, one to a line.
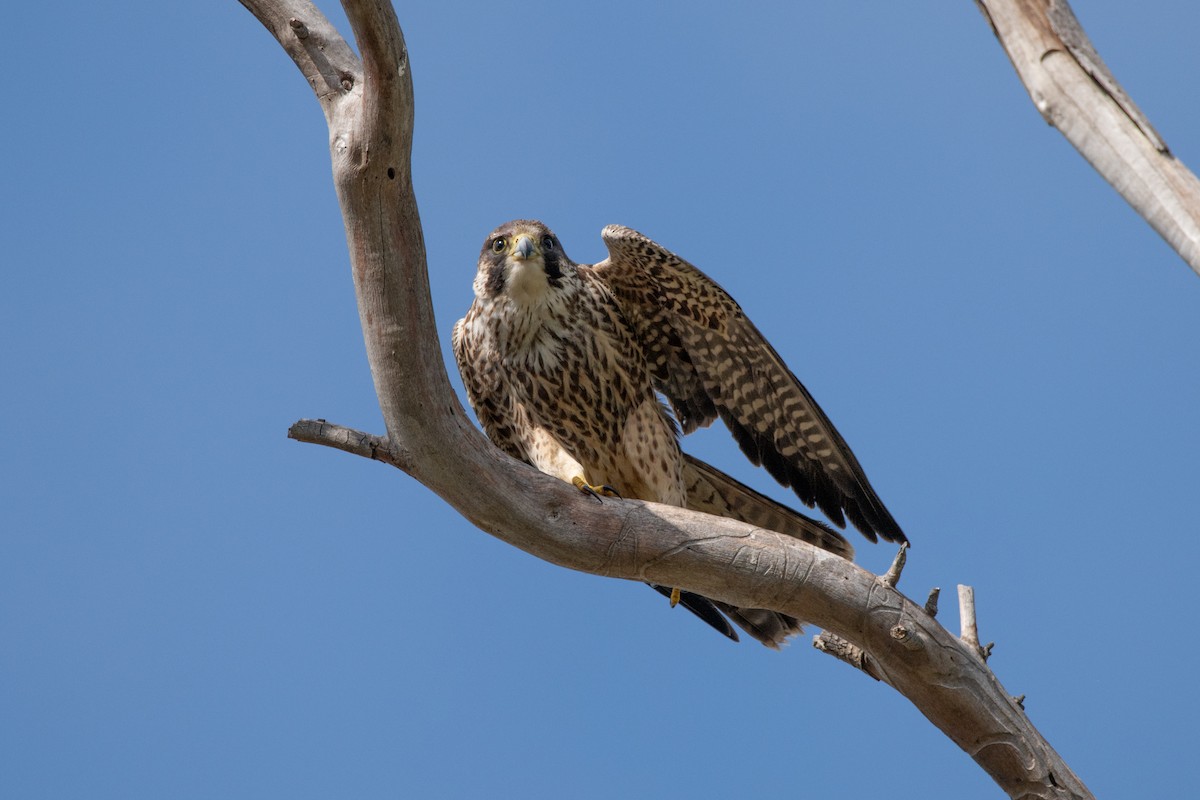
587,488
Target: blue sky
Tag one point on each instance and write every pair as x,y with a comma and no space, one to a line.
194,606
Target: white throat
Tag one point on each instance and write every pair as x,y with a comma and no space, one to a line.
527,283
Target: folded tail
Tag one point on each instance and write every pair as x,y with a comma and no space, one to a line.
713,492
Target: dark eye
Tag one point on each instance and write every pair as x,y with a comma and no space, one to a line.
498,244
548,242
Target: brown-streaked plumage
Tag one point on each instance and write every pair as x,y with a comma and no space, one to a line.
564,364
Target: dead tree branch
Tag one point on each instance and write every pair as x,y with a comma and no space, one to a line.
369,109
1075,92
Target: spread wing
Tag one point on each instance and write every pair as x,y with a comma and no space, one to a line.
709,360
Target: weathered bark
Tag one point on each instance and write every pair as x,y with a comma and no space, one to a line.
369,110
1075,92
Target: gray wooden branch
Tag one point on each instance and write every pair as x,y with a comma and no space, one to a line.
368,106
1075,92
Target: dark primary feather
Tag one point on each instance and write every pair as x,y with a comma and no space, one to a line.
710,360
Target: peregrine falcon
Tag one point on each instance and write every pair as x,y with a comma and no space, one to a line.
565,365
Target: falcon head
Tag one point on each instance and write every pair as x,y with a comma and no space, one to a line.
521,259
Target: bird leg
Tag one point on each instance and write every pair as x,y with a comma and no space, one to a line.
595,491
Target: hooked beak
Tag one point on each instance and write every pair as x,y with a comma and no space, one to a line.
524,247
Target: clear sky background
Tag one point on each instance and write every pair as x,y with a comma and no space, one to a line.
194,606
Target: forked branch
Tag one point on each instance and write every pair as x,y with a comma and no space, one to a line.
368,106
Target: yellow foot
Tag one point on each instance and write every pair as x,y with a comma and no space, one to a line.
674,597
594,491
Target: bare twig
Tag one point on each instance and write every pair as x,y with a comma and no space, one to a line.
892,576
967,621
966,616
367,445
843,650
931,602
1076,93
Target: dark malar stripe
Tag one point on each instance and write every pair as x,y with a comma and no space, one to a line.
553,265
495,278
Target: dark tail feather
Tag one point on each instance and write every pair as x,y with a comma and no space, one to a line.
769,627
713,492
